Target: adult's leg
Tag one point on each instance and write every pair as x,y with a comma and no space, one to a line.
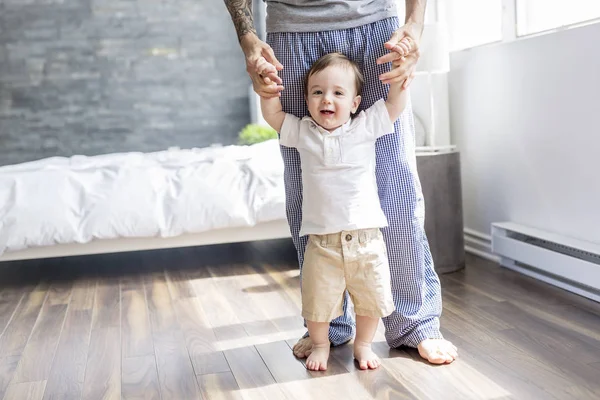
297,52
415,284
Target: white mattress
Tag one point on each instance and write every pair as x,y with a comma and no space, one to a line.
75,200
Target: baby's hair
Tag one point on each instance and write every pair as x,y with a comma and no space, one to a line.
331,59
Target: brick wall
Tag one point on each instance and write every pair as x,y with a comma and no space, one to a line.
99,76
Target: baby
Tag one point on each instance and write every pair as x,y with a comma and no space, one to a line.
341,211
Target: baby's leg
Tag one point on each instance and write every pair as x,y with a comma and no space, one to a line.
369,287
365,332
323,286
319,333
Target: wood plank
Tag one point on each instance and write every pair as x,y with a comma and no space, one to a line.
83,294
581,320
381,385
179,285
228,282
281,301
107,307
343,386
583,382
506,353
135,323
199,337
511,379
68,369
256,311
17,332
248,367
281,362
9,301
423,380
175,370
535,292
479,333
235,333
515,286
140,379
103,371
288,280
160,308
219,313
221,386
464,300
252,375
59,293
580,323
557,339
8,366
25,391
237,319
37,357
268,295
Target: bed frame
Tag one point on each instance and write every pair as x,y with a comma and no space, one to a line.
277,229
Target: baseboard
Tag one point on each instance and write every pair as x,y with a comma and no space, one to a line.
562,261
479,244
590,293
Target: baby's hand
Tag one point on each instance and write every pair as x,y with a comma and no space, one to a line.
267,71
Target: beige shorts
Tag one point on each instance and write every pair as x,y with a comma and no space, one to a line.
352,260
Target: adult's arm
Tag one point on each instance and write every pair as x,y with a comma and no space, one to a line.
403,45
257,52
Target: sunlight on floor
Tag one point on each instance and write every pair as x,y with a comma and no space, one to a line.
458,380
223,345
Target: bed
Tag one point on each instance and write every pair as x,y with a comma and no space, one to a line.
80,205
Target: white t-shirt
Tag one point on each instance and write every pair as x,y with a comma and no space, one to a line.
338,171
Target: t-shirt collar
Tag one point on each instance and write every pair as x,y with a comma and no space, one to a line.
339,131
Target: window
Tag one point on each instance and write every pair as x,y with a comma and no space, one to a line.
473,22
535,16
469,22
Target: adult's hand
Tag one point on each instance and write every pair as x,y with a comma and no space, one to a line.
404,53
262,66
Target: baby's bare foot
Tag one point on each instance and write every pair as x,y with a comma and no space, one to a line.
303,347
317,360
437,351
365,356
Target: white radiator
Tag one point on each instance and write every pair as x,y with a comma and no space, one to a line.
562,261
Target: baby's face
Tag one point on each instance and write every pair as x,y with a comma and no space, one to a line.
331,96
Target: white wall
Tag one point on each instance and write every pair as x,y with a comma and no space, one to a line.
526,118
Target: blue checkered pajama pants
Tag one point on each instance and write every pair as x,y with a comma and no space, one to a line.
415,284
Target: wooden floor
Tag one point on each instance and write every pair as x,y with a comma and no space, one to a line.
218,322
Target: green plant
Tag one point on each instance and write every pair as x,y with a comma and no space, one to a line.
254,133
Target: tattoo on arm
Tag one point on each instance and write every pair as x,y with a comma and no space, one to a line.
241,15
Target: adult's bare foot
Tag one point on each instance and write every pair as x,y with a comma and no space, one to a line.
303,347
438,351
